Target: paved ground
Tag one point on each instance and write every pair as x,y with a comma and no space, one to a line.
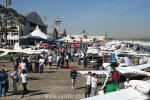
52,85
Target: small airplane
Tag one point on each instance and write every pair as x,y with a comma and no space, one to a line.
140,90
18,49
123,70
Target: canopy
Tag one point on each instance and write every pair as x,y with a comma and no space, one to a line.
37,33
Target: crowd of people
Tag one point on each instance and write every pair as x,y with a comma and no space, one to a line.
60,58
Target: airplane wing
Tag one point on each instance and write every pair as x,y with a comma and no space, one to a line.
136,54
122,70
4,54
131,70
92,71
141,86
143,66
123,94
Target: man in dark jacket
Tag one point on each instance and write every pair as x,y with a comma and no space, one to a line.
3,82
85,60
73,75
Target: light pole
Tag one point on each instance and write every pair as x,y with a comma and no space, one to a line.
5,25
0,29
7,2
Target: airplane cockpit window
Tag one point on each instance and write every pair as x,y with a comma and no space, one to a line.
107,69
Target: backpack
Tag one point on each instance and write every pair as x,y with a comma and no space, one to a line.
73,74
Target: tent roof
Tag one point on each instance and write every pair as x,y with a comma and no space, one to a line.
37,33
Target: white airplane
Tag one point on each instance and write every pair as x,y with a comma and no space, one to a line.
94,50
18,49
123,70
124,94
69,39
25,51
139,91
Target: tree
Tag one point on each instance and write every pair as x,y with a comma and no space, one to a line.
5,29
10,16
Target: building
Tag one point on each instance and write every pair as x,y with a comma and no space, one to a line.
32,19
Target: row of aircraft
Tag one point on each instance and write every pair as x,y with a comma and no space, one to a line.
140,89
125,67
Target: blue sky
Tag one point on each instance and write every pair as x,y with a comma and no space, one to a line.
118,18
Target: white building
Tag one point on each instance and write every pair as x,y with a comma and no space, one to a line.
32,19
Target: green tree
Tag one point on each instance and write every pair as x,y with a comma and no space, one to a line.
11,17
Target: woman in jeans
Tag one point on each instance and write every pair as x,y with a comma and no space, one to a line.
94,84
24,79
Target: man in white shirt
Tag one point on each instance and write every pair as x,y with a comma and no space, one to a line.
127,83
141,61
24,79
50,60
67,60
88,85
41,62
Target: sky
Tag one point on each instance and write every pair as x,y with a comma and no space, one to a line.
117,18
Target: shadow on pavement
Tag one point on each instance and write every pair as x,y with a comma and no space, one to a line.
34,78
80,88
50,71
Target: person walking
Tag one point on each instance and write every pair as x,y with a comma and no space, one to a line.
22,66
18,60
67,60
29,64
50,60
62,60
73,75
94,84
14,77
58,61
85,60
72,54
41,62
24,79
37,65
79,58
99,63
88,85
54,57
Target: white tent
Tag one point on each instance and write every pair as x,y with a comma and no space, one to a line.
37,33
